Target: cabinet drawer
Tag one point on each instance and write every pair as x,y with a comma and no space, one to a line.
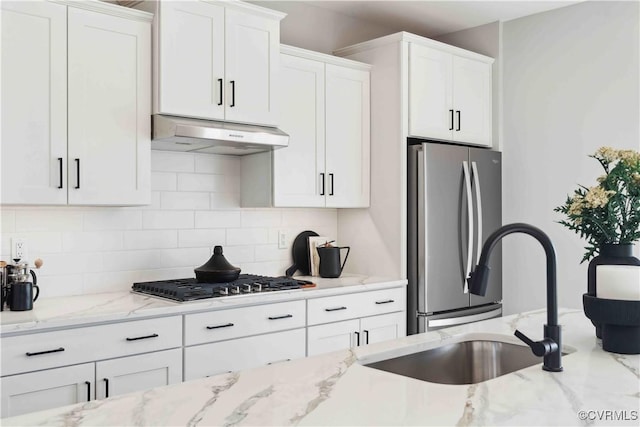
351,306
45,350
240,322
217,358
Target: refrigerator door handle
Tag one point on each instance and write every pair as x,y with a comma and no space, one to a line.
467,184
452,321
476,183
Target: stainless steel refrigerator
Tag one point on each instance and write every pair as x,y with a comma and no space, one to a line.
454,203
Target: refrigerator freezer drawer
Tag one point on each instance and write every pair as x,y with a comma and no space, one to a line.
460,318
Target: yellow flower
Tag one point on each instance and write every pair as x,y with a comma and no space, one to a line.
629,157
576,206
597,197
636,178
607,154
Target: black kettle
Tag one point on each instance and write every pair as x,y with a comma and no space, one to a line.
330,266
217,269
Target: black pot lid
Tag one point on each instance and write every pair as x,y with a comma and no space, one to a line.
217,263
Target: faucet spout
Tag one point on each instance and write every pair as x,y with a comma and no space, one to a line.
550,346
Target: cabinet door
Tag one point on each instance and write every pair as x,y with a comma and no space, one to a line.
243,353
472,101
34,103
109,108
347,137
382,328
298,170
136,373
251,63
46,389
332,337
430,93
191,59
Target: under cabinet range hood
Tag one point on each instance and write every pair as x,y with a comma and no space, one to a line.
173,133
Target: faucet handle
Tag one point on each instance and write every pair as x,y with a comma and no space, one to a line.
539,348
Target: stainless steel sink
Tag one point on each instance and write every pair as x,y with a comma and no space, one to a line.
466,362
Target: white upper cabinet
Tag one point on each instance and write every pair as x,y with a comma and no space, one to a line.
34,102
109,107
324,107
216,60
75,104
449,96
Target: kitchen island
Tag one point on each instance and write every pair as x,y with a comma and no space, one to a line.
596,388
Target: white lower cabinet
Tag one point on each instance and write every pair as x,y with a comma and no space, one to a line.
135,373
37,391
243,353
355,332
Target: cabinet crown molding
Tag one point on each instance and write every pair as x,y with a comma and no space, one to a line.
248,7
107,9
323,57
411,38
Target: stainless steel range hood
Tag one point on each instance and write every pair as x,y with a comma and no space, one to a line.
173,133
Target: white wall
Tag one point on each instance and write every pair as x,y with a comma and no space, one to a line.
195,205
571,85
319,29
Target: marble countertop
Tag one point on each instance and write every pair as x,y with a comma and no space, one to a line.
78,310
335,389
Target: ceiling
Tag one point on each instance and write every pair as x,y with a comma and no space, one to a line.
434,18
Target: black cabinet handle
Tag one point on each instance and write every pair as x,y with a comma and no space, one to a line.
335,309
60,171
77,173
279,361
143,338
233,93
357,338
88,383
286,316
106,387
38,353
331,184
451,120
385,302
459,119
366,337
322,182
220,86
226,325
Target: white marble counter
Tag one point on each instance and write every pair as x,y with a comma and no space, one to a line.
335,389
97,308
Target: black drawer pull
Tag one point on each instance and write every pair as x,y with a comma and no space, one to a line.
60,171
220,326
143,338
106,387
385,302
286,316
335,309
88,383
38,353
279,361
357,338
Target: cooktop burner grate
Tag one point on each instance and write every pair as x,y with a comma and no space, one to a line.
189,290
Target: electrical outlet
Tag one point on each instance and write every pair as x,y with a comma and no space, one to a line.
18,249
282,240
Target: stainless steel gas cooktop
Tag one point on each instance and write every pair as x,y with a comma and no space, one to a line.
189,290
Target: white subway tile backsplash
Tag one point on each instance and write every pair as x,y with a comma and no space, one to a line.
218,164
167,219
183,200
48,219
7,220
150,239
92,241
217,219
201,238
170,161
201,182
195,205
112,219
247,236
261,218
164,181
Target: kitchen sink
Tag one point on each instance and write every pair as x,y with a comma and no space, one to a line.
465,362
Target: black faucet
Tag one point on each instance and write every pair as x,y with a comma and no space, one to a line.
550,346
